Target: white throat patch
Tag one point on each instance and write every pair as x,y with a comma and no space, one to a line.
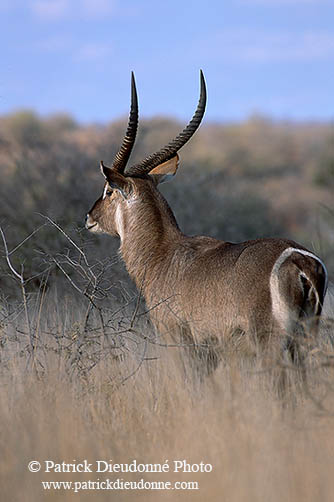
119,222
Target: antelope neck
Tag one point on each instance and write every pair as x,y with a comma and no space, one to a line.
150,235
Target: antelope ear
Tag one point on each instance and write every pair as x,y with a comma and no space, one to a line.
115,179
165,171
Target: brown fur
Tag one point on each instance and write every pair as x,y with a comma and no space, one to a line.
202,290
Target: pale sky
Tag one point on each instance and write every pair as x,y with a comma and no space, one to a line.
273,57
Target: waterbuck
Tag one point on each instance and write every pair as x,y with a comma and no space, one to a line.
201,289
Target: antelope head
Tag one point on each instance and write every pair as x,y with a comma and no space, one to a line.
125,187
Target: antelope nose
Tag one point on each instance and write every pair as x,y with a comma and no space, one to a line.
89,222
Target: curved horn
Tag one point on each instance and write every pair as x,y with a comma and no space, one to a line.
123,155
168,151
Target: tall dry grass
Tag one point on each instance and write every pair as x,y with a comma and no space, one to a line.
146,405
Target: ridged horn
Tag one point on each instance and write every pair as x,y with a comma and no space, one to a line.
123,155
168,151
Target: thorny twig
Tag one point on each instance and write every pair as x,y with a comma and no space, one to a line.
20,277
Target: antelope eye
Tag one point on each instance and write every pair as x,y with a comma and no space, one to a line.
107,192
